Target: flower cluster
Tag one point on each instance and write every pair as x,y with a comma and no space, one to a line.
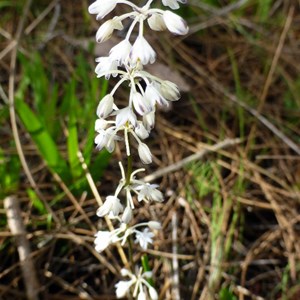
105,238
138,282
132,122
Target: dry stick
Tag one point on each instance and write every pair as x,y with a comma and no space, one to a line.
40,17
196,156
274,63
12,113
6,50
15,223
175,281
73,199
284,222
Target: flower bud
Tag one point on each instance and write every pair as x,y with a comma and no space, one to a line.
175,23
106,29
105,106
127,215
100,124
141,131
144,153
173,3
169,90
152,292
140,103
154,225
102,7
156,22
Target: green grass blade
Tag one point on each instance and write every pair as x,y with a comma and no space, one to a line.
72,139
42,138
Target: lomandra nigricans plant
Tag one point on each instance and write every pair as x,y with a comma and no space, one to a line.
132,123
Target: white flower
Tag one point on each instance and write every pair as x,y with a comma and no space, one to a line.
144,238
122,287
140,103
141,295
112,204
173,3
139,282
153,293
156,22
149,120
124,115
141,131
105,66
149,192
169,90
142,51
102,241
105,106
120,52
153,95
105,238
100,124
127,215
144,153
154,225
175,23
106,138
106,29
102,7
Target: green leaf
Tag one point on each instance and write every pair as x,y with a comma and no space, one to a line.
42,139
9,174
226,294
36,202
72,140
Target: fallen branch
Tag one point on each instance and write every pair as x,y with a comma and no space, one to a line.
17,228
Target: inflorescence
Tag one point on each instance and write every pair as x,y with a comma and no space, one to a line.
133,122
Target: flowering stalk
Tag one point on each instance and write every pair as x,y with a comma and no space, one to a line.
132,123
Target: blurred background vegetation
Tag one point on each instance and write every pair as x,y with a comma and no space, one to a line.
237,207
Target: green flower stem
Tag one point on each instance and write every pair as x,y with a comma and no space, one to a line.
130,254
146,267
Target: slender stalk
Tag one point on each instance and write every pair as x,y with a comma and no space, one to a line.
130,253
129,169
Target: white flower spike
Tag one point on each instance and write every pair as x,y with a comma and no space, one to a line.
134,117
